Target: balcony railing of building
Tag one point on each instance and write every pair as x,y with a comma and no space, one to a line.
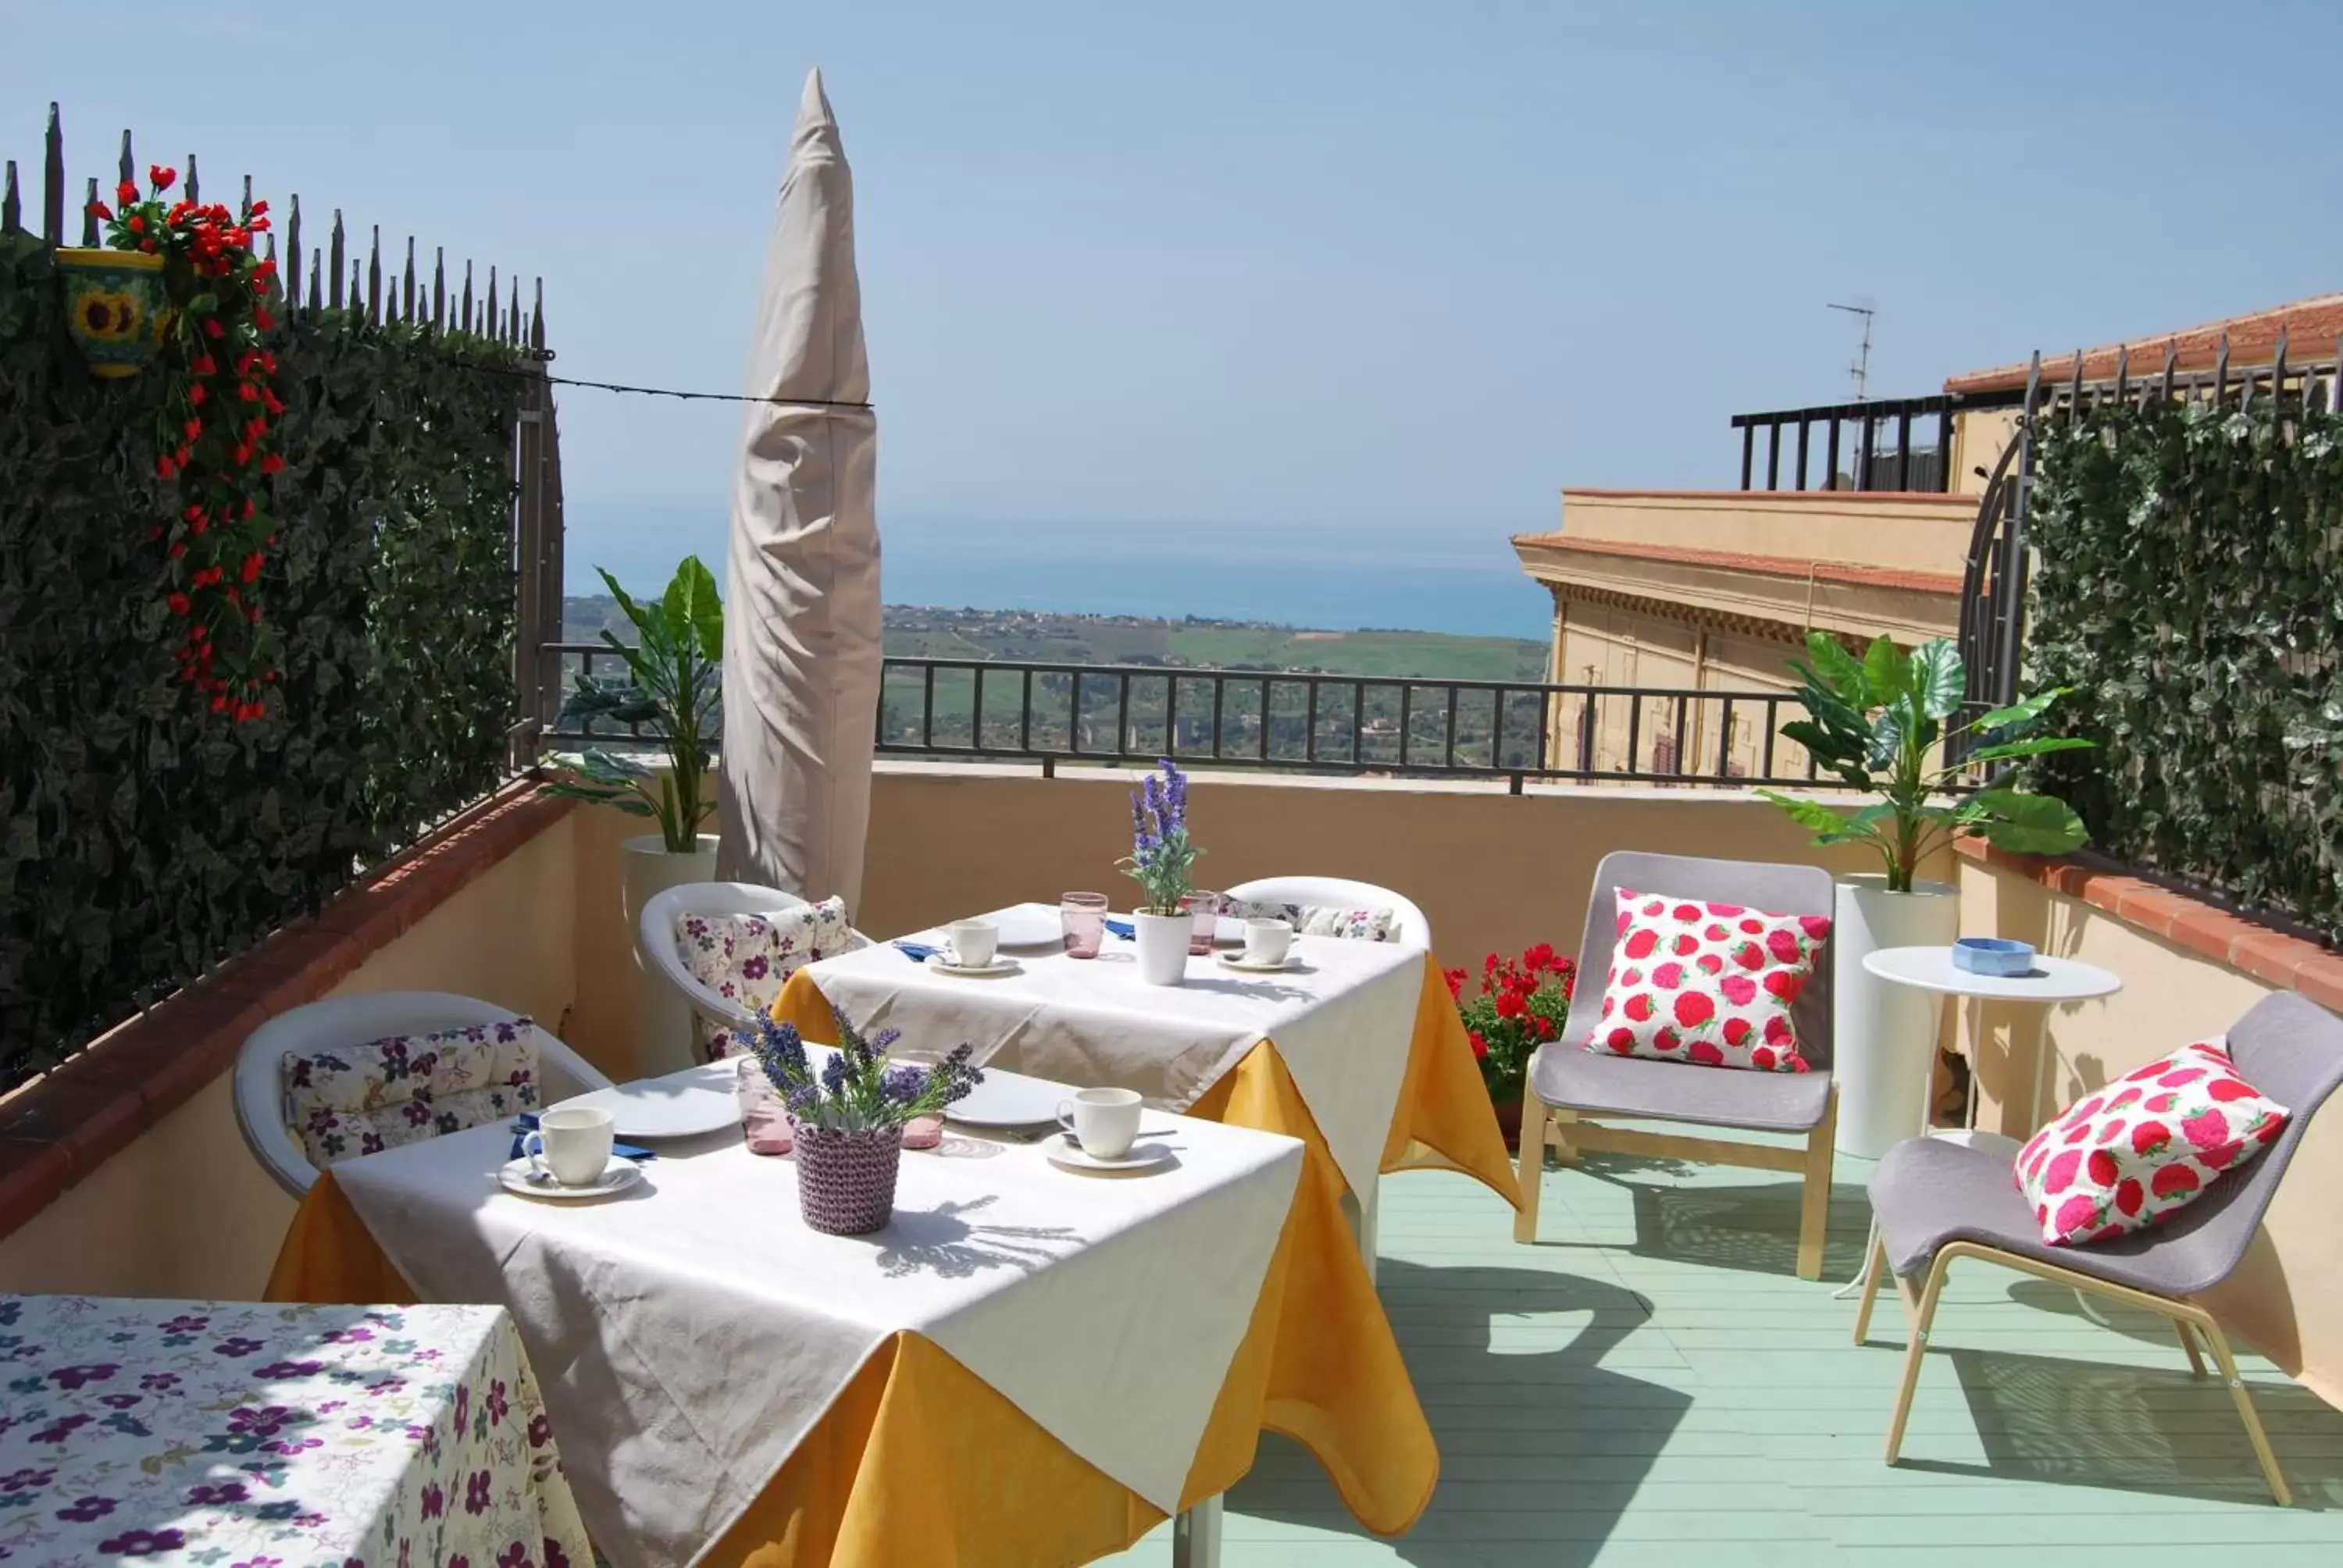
1882,455
1306,722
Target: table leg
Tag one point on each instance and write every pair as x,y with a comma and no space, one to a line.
1364,1215
1196,1535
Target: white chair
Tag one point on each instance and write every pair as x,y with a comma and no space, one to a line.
655,935
1412,927
350,1021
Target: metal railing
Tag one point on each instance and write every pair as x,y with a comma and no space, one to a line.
1308,723
1883,456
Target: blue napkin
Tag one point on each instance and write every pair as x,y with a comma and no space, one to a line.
528,1125
1122,928
918,953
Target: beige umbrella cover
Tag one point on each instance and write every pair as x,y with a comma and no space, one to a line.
802,630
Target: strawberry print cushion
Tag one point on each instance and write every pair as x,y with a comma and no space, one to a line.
2147,1146
1706,983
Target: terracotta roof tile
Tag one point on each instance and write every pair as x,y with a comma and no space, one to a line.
2311,325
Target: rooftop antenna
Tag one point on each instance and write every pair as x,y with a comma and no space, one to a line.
1860,371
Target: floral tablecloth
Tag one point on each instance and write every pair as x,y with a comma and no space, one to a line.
248,1436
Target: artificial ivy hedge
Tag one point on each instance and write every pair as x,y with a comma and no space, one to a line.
142,838
2190,587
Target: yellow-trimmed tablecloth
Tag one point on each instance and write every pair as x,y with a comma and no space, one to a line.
920,1461
1442,1119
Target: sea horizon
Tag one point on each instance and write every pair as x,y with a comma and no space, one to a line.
1358,580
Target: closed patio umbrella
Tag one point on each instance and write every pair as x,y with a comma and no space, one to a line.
802,632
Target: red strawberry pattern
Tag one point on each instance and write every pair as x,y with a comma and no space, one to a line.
1707,983
2134,1156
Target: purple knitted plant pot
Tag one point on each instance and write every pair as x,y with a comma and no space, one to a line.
846,1180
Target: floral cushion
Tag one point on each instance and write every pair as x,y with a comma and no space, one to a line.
2147,1146
1707,983
1319,919
746,958
405,1088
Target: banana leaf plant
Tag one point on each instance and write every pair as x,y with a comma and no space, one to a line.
669,692
1885,724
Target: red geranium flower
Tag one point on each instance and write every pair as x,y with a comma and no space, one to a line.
160,177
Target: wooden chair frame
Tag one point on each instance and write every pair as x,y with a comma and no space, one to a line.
2189,1320
1569,1133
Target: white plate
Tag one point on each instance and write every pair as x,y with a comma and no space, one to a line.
680,1105
617,1177
1239,962
993,970
1066,1153
1026,926
1009,1099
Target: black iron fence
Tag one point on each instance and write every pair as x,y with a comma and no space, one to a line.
1296,721
1875,445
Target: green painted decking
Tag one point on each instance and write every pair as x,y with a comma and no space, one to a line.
1652,1384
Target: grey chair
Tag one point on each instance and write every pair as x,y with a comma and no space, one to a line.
1939,1202
1571,1090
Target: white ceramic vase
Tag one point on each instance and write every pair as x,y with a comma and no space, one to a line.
1882,1035
663,1026
1163,946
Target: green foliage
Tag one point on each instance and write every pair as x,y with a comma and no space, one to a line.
2190,558
1879,722
141,839
672,683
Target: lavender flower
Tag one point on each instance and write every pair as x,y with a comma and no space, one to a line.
904,1084
1161,858
857,1087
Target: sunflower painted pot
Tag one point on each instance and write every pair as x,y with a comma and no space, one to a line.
116,307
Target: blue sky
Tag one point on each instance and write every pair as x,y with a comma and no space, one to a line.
1362,276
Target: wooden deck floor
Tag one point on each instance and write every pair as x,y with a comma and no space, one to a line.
1650,1384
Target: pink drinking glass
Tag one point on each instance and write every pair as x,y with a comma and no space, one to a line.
1206,908
1083,916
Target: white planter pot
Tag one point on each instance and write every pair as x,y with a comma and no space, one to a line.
663,1026
1883,1036
1164,947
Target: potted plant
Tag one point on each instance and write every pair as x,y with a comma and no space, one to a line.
1520,1005
669,692
1162,860
846,1117
1885,724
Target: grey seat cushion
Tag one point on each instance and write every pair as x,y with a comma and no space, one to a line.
1929,1192
1565,1073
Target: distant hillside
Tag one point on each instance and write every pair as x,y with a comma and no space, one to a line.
920,631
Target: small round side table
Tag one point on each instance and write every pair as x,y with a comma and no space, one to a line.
1931,968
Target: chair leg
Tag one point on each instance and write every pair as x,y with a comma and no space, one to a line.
1918,1347
1814,1210
2220,1342
1874,1265
2188,1343
1531,1174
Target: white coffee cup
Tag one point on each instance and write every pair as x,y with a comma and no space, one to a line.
1266,941
972,943
1103,1120
573,1143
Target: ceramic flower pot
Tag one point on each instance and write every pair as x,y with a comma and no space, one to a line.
664,1039
1163,946
116,307
846,1180
1884,1035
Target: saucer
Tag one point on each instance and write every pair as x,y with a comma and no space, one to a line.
1069,1155
993,970
1239,962
617,1177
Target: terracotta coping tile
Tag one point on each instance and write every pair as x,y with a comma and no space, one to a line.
2242,943
62,1126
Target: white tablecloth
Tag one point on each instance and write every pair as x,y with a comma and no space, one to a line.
1344,1019
688,1334
228,1433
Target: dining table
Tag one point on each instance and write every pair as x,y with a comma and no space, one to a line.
1356,1047
237,1433
1027,1365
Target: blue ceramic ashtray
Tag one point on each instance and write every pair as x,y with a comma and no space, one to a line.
1996,956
